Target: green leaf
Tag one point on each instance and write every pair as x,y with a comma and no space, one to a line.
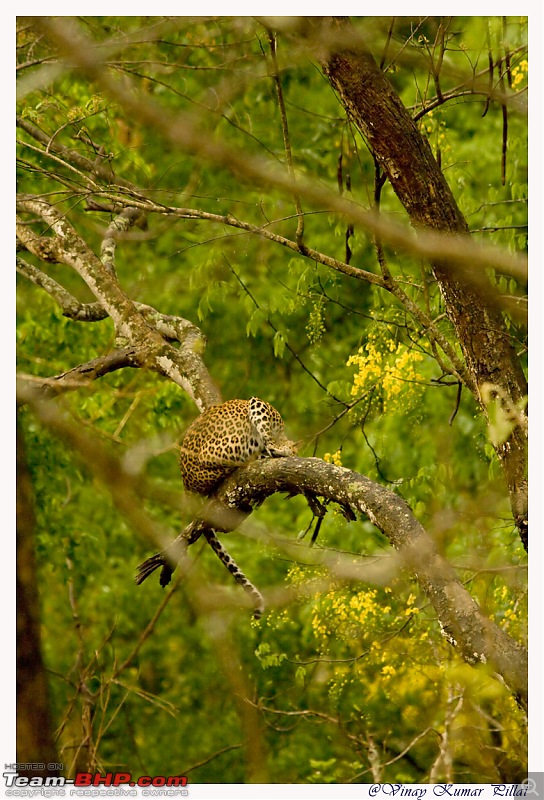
279,344
255,322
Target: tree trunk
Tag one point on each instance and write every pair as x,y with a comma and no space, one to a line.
34,738
407,160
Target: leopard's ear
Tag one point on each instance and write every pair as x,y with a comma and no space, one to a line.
259,408
255,403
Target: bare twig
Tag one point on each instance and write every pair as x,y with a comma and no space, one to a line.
286,140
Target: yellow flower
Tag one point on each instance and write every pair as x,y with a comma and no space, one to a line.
390,364
334,458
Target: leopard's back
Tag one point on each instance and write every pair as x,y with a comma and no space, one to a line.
227,436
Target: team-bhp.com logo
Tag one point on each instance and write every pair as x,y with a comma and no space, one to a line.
89,779
125,779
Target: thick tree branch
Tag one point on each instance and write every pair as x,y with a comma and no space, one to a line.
171,327
465,626
474,635
184,365
69,248
119,224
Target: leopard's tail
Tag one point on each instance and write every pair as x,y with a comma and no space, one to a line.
236,572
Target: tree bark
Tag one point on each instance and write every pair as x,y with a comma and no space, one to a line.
145,329
34,737
407,160
467,628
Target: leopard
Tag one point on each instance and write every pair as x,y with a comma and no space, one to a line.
226,437
223,438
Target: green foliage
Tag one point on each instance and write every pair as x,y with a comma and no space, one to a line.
354,682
